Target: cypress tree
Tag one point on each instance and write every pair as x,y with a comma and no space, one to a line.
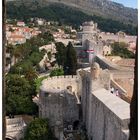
60,55
70,65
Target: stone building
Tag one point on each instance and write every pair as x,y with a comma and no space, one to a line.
104,115
15,126
94,42
59,102
86,97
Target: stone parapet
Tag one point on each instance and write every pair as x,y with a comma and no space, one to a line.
61,77
59,83
108,116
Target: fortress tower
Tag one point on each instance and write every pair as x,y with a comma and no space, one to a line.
89,31
59,102
90,42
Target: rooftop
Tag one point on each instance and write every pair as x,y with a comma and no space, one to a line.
16,36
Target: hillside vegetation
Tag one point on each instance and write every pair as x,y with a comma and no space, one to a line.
65,15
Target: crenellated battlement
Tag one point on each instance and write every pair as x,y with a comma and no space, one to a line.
59,83
61,77
116,37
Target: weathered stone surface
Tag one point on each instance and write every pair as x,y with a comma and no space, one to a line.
105,116
59,102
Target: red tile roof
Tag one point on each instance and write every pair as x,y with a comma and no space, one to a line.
16,36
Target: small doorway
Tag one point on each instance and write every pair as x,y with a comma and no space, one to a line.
75,125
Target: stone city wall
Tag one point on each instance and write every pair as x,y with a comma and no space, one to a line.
116,38
85,92
106,64
108,117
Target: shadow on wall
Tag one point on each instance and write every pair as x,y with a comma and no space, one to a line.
134,103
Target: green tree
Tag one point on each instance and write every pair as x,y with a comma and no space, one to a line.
19,95
57,72
16,104
21,68
35,57
42,39
38,82
31,75
61,53
71,60
39,129
20,82
18,53
17,84
120,49
48,36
